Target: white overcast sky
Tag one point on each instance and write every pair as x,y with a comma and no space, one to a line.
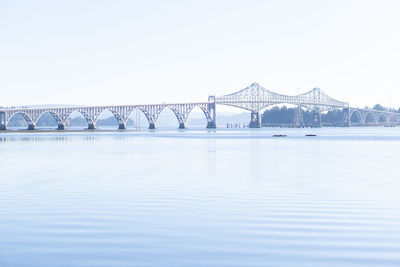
121,52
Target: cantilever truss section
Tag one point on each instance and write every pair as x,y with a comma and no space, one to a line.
255,98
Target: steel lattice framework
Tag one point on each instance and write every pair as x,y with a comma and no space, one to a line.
256,98
253,98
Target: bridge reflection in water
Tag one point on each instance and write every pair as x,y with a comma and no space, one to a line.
253,98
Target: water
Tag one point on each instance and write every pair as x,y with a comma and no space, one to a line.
201,198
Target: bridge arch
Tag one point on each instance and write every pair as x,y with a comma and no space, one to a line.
89,119
397,118
380,115
60,123
394,119
149,117
370,115
205,111
359,116
118,117
179,117
28,119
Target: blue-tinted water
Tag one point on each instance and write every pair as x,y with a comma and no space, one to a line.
201,198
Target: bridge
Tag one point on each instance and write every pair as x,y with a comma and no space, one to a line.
256,98
253,98
121,113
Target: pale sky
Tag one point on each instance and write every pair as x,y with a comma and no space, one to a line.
134,52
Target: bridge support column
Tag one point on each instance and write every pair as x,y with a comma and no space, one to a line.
298,120
182,125
347,116
319,118
255,121
212,124
31,127
152,126
61,127
121,126
3,125
91,127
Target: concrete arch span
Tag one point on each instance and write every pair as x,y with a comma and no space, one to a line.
359,116
28,119
205,111
394,119
60,123
118,117
380,116
370,115
181,113
88,118
149,117
180,117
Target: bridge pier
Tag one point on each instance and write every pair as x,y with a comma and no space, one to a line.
91,127
255,121
298,120
346,117
211,125
61,127
317,119
152,126
3,125
182,125
31,127
121,126
212,111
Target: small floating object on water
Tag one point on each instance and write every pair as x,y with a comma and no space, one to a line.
279,135
311,135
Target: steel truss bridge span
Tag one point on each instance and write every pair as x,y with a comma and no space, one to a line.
121,113
255,98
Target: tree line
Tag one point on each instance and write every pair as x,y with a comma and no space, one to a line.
284,116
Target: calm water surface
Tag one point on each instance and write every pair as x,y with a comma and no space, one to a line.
199,198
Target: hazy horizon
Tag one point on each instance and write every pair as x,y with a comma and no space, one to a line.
129,52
